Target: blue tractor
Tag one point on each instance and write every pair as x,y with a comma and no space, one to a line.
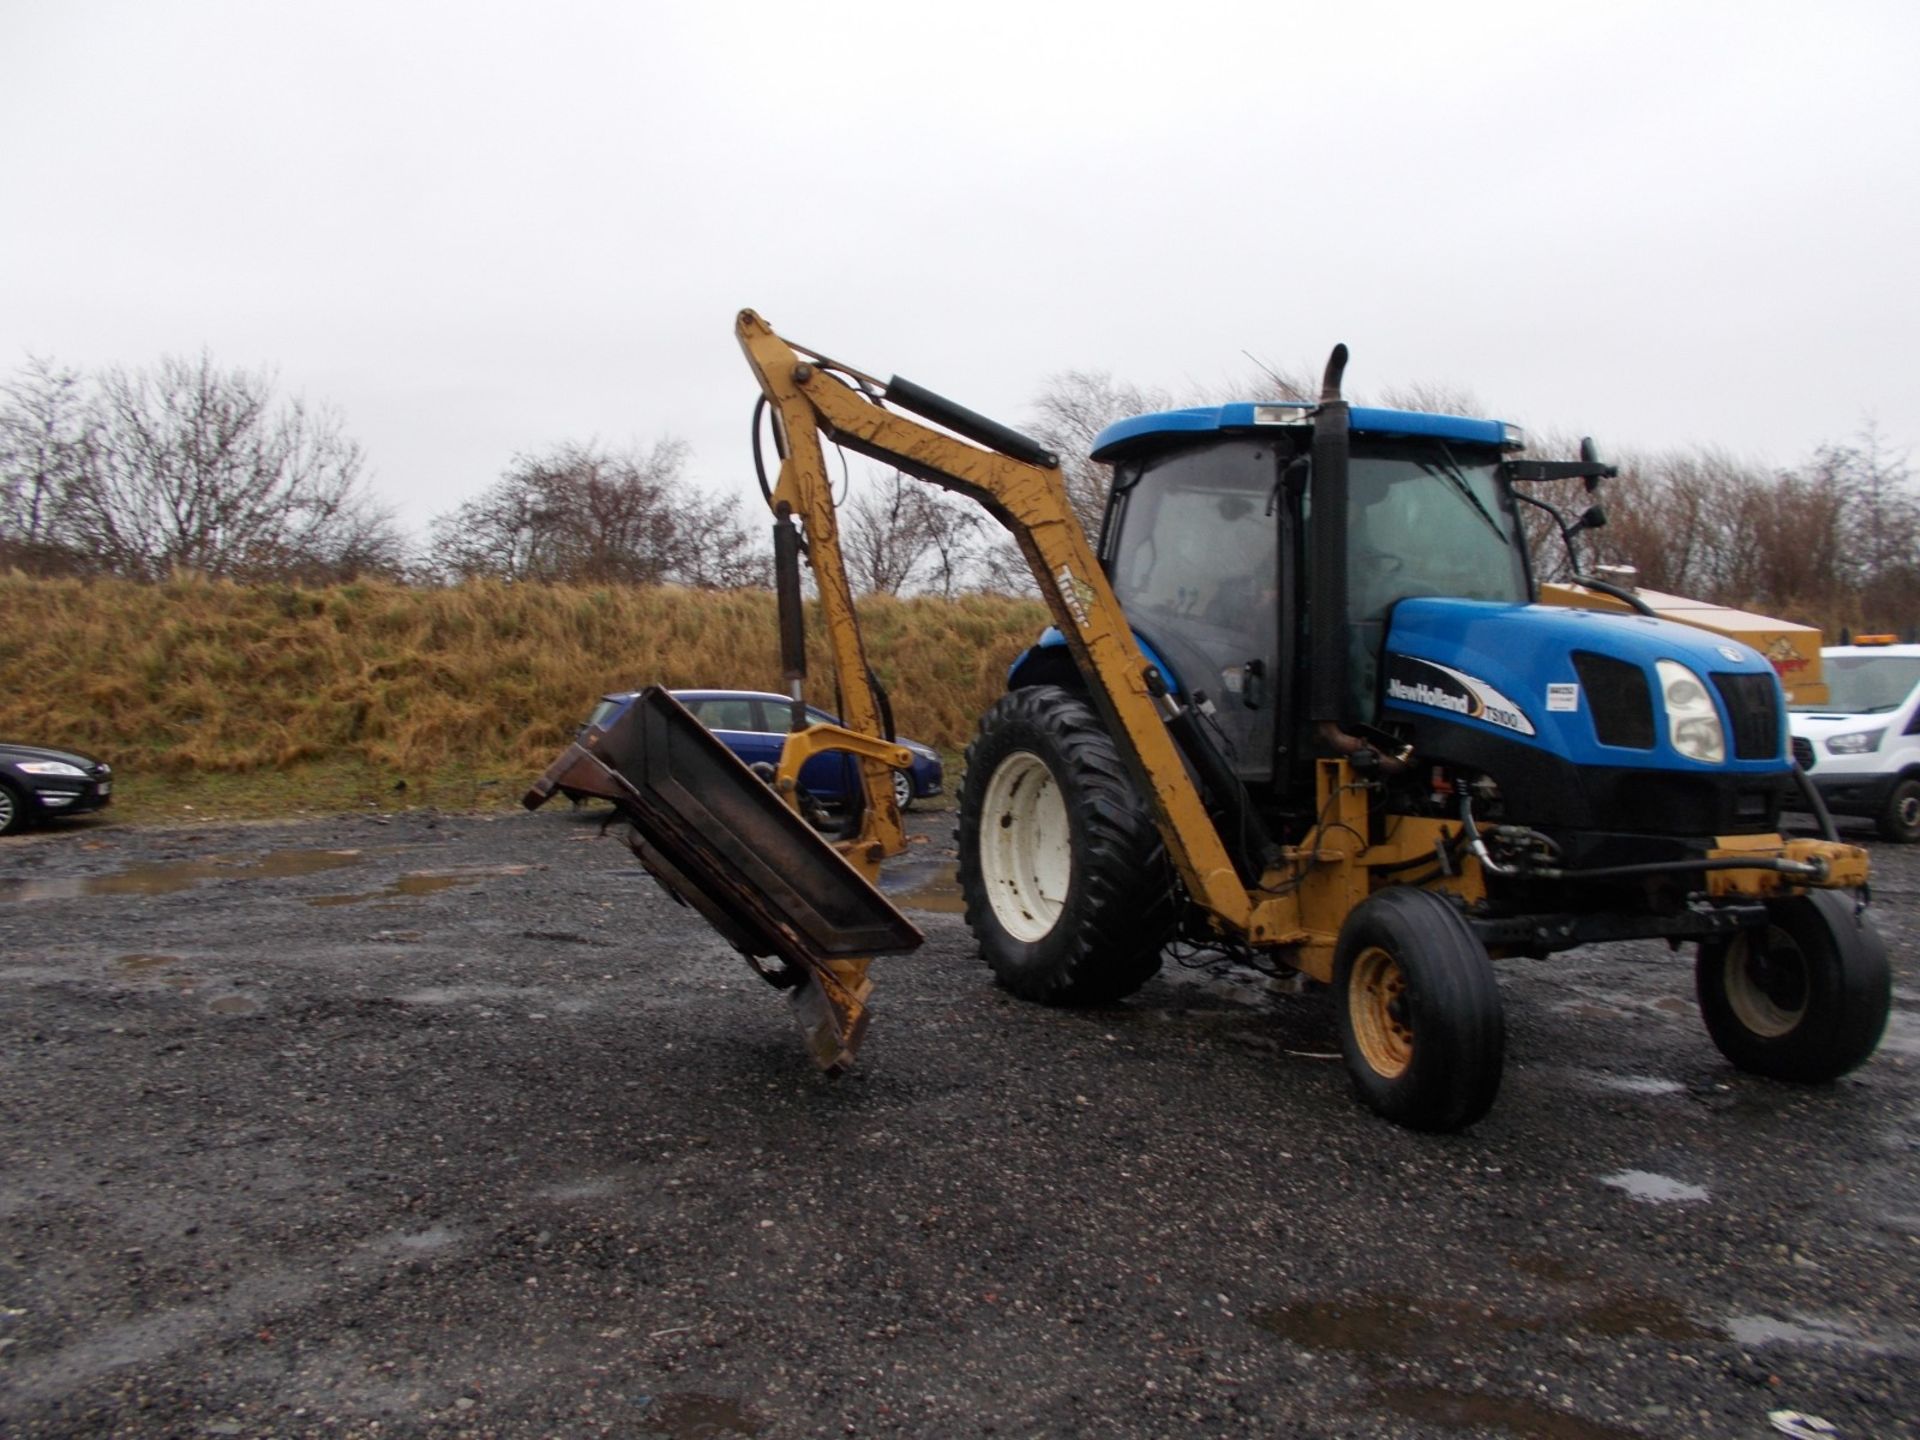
1340,611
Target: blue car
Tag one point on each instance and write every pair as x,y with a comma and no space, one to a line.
753,724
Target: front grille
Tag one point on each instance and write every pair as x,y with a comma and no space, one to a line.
1620,699
1753,705
1803,751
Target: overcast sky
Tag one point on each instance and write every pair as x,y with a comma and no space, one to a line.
478,228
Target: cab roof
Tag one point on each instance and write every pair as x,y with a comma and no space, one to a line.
1249,416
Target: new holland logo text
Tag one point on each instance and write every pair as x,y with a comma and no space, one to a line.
1398,689
1411,681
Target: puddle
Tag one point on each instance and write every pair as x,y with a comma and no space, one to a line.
1636,1084
420,1242
1621,1316
151,880
688,1416
1396,1327
1903,1035
1765,1330
1550,1267
1390,1325
421,882
1590,1010
459,994
597,1187
235,1005
1655,1189
1528,1419
926,887
139,964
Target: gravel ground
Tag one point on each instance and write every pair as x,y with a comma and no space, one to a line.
457,1126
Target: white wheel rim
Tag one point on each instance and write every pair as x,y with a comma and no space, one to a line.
902,789
1026,847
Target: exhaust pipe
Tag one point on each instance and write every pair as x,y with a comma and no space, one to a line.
1327,615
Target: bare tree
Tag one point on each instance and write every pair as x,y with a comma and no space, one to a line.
1879,524
1297,384
186,466
716,551
1077,405
1074,408
902,534
582,513
46,447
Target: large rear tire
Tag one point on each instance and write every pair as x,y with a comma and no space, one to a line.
1420,1019
1067,886
1804,997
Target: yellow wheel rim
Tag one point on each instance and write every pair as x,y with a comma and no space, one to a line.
1377,1005
1766,982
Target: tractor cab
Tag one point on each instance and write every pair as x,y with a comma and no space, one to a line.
1210,541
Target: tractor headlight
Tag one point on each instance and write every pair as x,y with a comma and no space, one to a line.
1692,722
1855,742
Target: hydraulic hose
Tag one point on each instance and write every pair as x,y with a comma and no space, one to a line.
1808,869
1816,803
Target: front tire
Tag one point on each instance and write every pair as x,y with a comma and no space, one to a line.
1067,886
1804,997
1900,820
1420,1019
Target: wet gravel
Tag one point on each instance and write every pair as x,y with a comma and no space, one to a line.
457,1126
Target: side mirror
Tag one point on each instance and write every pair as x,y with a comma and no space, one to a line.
1594,518
1590,456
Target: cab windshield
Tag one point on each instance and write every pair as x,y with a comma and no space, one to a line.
1426,519
1867,684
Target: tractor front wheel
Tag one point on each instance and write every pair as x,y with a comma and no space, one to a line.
1804,997
1419,1009
1067,886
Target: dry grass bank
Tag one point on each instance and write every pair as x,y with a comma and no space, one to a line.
198,678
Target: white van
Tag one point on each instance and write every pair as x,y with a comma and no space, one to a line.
1862,747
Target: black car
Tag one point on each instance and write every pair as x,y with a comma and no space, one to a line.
36,782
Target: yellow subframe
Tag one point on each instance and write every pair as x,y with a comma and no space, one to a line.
1298,908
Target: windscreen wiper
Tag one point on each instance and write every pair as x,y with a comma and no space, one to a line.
1454,476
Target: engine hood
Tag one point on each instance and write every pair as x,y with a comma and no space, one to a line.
1508,670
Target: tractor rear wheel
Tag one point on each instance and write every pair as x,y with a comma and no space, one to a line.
1067,886
1419,1010
1804,997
